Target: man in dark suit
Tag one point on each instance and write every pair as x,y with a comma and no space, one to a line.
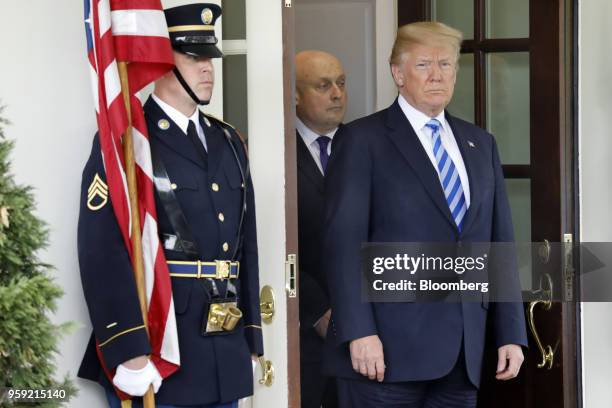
206,225
320,108
414,173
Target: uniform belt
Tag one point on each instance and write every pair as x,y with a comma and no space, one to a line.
200,269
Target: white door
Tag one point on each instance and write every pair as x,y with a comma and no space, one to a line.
266,130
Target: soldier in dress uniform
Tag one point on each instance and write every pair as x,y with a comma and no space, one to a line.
206,221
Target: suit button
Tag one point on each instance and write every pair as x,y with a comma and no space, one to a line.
215,187
173,186
221,217
225,247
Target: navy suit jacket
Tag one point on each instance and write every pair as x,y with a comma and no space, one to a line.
382,187
314,296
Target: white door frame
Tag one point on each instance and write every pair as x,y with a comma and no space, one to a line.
267,156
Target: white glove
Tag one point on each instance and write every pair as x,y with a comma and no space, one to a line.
136,382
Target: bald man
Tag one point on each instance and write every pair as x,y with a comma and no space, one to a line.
320,108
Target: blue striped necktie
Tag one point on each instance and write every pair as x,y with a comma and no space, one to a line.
449,176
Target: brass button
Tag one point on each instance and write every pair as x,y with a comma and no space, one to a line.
173,186
225,247
215,187
221,217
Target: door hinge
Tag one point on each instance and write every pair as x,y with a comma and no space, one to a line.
287,3
291,275
568,267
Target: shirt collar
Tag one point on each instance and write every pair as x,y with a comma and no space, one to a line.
177,117
308,135
418,119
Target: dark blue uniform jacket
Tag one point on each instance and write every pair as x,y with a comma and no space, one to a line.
213,368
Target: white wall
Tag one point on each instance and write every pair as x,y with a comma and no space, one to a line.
595,100
360,33
386,28
45,85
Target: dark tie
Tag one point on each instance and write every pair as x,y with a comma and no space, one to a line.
192,133
323,142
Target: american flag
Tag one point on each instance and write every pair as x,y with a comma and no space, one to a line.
134,31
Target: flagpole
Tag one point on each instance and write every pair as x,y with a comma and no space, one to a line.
130,171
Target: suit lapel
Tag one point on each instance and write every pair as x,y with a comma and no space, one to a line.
173,137
407,142
471,156
215,141
307,165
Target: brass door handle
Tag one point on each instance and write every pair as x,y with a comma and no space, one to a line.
547,352
267,304
267,372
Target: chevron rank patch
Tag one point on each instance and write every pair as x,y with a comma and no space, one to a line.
97,194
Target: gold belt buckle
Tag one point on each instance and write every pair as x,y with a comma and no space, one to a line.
223,269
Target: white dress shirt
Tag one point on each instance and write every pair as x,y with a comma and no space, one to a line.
310,139
418,120
181,120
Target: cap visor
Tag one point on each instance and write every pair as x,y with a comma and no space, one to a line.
202,50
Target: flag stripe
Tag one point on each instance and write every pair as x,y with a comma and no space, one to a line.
141,148
147,58
94,88
104,16
139,22
136,5
122,190
112,84
149,247
170,343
